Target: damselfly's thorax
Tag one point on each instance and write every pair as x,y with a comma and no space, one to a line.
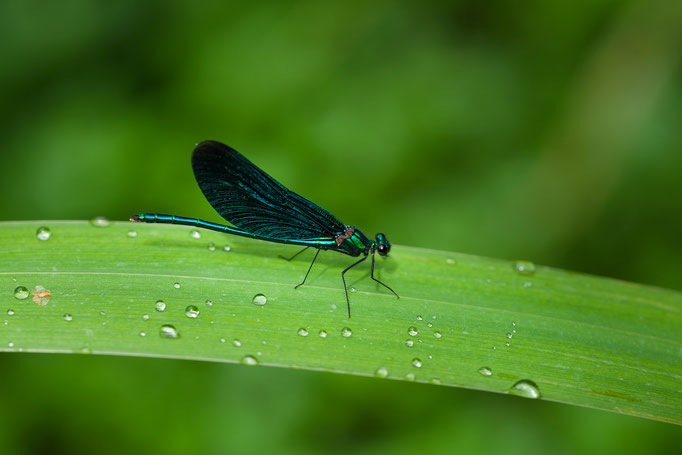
353,242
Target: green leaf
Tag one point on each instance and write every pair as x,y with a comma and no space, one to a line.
461,320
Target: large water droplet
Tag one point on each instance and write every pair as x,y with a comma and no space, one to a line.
41,296
43,233
176,285
323,334
260,300
346,332
168,331
68,317
437,335
191,311
420,318
416,363
160,305
381,372
302,332
429,324
10,312
412,331
20,292
226,248
525,388
249,360
100,221
485,371
195,234
524,267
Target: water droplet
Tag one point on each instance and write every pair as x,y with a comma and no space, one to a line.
527,284
346,332
409,343
437,335
249,360
192,311
524,267
99,221
102,313
485,371
353,290
302,332
222,340
429,324
20,292
43,233
176,285
10,344
450,261
132,234
513,330
41,296
145,317
506,344
513,324
68,317
419,318
412,331
211,246
381,372
209,302
410,377
226,248
416,363
237,343
509,335
168,331
435,381
525,388
160,305
195,234
10,312
323,334
260,300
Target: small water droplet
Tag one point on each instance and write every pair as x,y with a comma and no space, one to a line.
523,267
168,331
68,317
176,285
409,343
20,292
211,246
237,343
10,312
143,334
509,335
249,360
353,290
416,363
485,371
10,344
412,331
102,313
437,335
145,317
222,340
195,234
99,221
419,318
302,332
381,372
513,324
160,305
450,261
410,377
346,332
429,324
525,388
209,302
506,344
494,348
41,296
435,381
43,233
226,248
323,334
132,234
191,311
513,330
527,284
260,300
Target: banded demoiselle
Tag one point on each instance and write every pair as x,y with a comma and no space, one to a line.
259,207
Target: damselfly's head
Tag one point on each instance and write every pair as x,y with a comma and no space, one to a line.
382,245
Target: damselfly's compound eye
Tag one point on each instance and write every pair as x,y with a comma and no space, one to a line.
383,246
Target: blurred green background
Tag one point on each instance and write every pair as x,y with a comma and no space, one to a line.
540,130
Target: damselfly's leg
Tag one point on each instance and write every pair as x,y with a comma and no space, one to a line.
309,268
292,257
384,285
345,288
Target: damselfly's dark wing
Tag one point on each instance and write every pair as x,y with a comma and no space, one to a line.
253,201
